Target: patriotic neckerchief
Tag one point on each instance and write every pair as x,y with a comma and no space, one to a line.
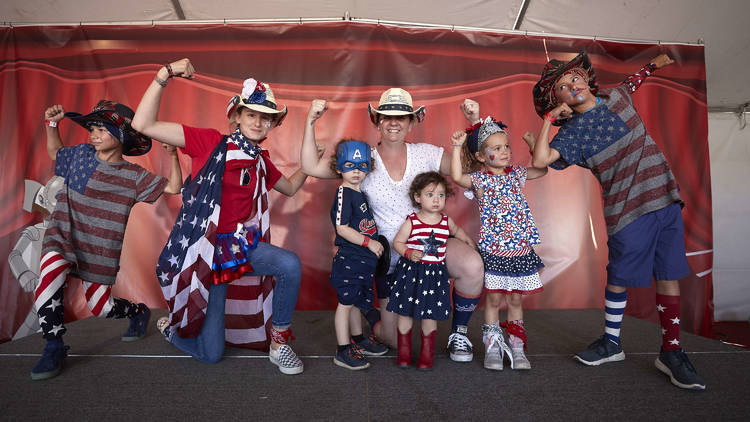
184,266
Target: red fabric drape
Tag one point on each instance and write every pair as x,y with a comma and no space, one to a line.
348,64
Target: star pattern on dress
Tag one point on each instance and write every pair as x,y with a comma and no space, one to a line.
675,320
674,342
430,245
55,329
660,308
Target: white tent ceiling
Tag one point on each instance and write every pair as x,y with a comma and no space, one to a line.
720,24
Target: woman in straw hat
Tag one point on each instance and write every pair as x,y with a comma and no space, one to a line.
229,230
396,164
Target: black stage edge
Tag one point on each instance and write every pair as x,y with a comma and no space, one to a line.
105,379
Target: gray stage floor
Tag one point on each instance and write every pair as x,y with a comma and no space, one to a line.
150,380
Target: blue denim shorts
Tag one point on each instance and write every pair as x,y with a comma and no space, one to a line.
652,246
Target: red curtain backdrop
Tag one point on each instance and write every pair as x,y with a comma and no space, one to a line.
349,64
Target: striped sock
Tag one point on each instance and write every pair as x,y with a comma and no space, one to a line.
614,308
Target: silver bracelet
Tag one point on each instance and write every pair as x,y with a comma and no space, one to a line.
161,82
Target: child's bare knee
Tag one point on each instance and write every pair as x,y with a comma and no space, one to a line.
494,299
515,300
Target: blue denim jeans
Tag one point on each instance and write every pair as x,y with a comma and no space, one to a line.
265,259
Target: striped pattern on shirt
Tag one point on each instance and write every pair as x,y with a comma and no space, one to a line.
88,224
421,232
611,141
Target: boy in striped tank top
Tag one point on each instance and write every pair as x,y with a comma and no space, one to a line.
421,288
602,131
87,227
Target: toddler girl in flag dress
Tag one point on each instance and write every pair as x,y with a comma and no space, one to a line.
506,236
421,288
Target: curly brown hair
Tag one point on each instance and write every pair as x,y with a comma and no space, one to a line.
425,179
469,161
332,162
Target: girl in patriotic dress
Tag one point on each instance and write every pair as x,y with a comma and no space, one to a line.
506,236
421,288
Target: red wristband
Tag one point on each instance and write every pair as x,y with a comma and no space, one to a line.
365,242
50,123
549,118
407,252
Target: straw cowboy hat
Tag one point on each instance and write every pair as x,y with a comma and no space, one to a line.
395,102
257,96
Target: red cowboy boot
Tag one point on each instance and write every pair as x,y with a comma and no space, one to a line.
427,356
404,349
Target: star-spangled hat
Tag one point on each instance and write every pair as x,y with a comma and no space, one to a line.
544,90
116,118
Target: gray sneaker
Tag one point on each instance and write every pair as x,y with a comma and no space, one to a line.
494,347
519,360
459,346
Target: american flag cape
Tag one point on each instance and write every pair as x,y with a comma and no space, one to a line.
184,266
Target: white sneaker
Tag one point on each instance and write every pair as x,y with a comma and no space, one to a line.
519,360
493,353
495,347
287,361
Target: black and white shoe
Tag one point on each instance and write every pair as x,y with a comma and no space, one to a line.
459,346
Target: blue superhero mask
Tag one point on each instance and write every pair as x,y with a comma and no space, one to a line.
355,152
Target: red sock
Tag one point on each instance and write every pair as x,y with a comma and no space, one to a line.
668,308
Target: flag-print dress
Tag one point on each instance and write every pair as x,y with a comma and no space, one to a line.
507,233
421,290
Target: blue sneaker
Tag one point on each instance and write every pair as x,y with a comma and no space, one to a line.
371,346
601,351
138,324
351,358
50,364
681,372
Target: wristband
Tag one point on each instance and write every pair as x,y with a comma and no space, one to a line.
169,70
161,82
549,118
457,145
407,252
50,123
365,242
